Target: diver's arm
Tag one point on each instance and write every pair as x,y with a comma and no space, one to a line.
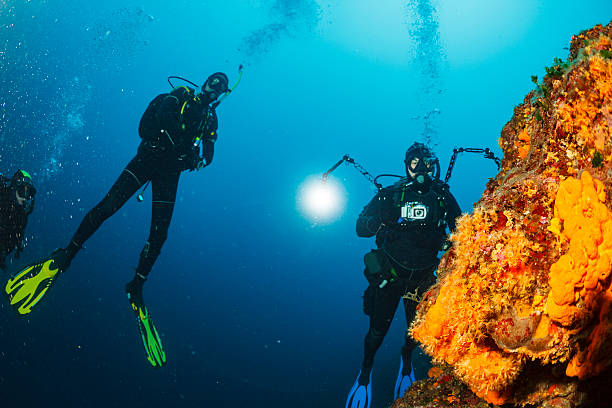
12,239
208,151
209,139
372,216
19,234
453,211
3,259
368,225
19,247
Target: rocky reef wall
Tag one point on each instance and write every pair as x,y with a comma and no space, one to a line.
521,309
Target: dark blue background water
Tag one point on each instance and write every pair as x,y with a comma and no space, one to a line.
257,305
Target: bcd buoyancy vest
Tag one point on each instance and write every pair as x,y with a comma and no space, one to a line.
195,124
426,210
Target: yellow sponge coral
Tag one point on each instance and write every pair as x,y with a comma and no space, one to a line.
578,278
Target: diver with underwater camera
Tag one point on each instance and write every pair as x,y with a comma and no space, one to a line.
174,129
410,220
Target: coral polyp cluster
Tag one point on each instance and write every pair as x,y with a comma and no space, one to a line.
527,280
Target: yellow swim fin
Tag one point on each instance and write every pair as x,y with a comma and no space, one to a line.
27,287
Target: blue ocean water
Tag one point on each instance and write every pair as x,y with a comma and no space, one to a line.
257,305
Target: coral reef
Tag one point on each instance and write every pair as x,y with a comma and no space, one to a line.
521,309
541,387
441,390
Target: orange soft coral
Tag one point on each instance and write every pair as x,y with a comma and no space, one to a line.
578,279
528,276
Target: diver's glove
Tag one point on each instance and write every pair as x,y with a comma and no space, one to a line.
378,271
372,223
389,217
387,277
199,163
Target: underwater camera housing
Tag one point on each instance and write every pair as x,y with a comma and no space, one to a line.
413,211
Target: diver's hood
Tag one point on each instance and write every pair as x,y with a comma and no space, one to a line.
428,166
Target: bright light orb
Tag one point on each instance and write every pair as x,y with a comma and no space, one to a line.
321,201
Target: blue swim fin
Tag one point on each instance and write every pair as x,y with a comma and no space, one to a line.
360,395
404,381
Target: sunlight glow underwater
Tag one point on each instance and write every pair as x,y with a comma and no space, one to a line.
321,201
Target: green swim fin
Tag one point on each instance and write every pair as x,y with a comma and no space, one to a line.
27,287
150,338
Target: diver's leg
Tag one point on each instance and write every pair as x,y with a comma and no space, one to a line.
409,344
405,375
381,313
164,196
130,180
410,305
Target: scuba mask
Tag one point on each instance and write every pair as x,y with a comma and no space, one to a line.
421,164
216,85
24,189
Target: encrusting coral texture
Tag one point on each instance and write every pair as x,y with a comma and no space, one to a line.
526,286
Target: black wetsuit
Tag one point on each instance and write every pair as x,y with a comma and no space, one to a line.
170,129
13,221
408,242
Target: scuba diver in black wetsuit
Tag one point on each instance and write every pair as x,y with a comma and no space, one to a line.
172,129
16,204
409,220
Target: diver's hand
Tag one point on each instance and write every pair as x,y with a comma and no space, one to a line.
199,164
389,217
387,277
